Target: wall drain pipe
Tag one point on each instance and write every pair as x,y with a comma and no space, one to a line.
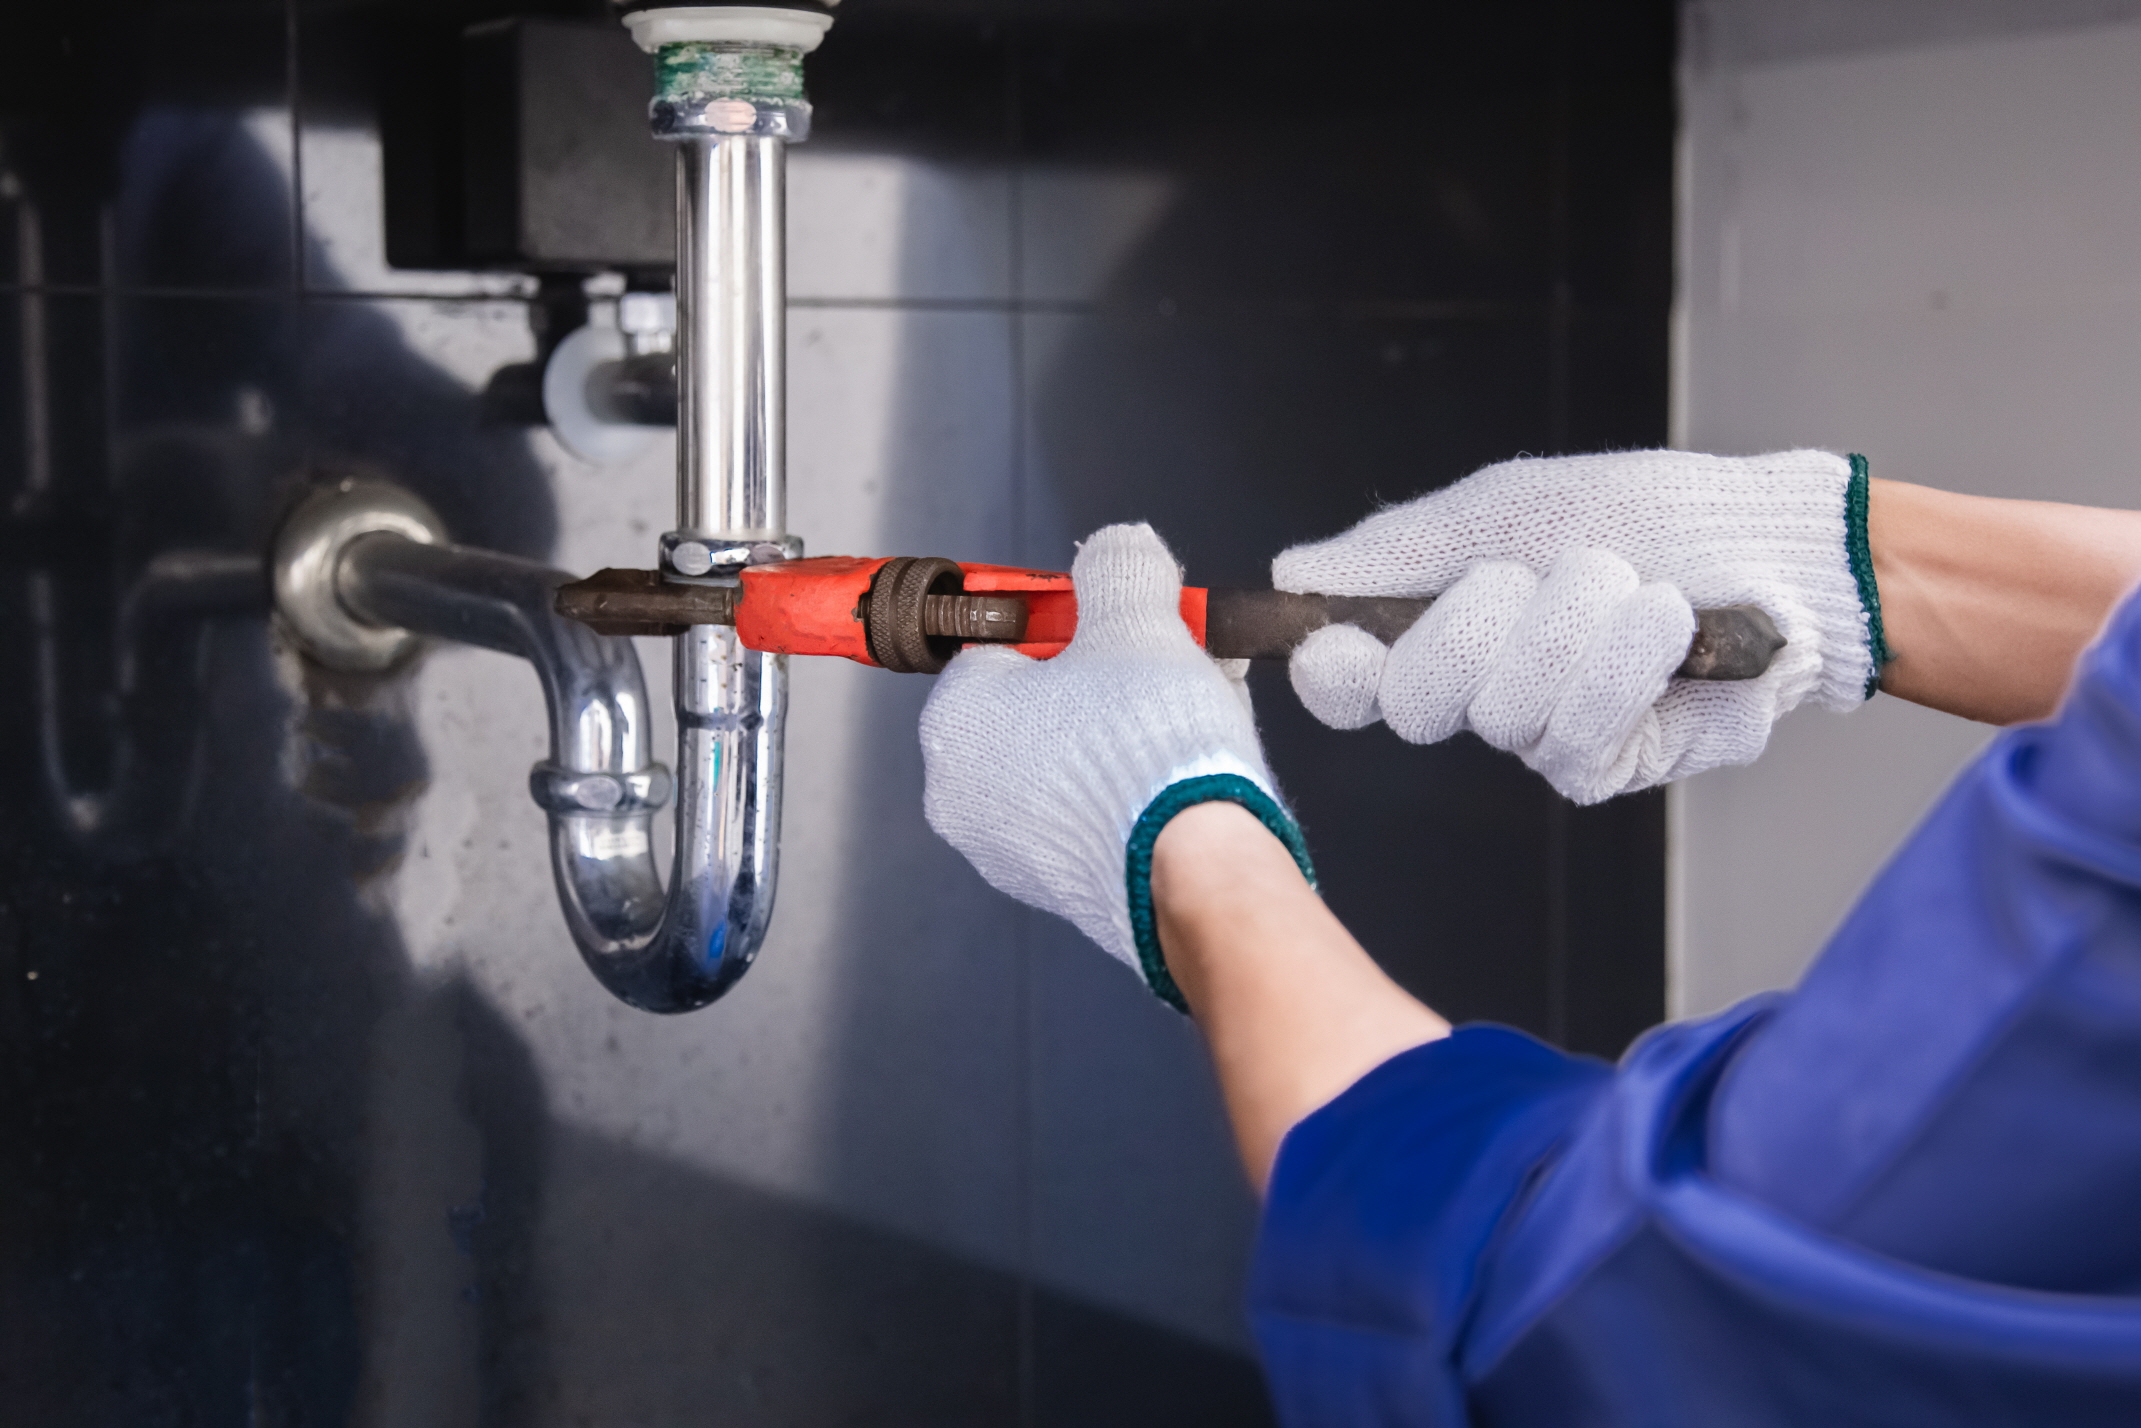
362,569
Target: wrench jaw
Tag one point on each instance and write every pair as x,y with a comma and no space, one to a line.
642,602
818,606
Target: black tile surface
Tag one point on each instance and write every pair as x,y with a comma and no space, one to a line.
1093,1369
126,127
1237,429
1439,859
1618,244
929,80
58,423
1318,172
1370,278
1609,979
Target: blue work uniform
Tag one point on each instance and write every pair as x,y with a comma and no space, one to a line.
1908,1192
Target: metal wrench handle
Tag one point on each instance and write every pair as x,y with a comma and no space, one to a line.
1734,642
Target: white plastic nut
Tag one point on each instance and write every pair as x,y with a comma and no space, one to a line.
646,312
728,24
593,438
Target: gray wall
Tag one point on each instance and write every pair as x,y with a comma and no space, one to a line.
1910,229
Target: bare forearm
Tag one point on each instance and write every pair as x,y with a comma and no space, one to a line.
1988,602
1292,1007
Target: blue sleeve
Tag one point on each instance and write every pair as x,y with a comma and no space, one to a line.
1380,1209
1957,1081
1842,1206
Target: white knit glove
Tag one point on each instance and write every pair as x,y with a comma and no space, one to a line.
1566,591
1055,776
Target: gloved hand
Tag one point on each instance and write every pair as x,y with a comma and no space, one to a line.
1054,777
1566,590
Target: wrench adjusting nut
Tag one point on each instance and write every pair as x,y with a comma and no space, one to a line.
894,623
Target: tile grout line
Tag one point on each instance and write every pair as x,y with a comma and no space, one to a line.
1025,1348
1389,312
1559,320
1560,302
297,151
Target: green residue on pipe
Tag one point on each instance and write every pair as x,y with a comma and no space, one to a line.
695,72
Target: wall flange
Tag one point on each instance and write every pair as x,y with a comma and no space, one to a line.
308,554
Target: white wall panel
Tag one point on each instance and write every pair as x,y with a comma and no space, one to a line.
1913,231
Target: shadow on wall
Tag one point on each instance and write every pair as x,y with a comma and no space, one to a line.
189,1033
995,1077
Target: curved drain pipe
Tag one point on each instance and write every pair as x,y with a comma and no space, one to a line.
363,569
363,572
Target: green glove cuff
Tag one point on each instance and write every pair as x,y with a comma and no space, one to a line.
1860,553
1208,788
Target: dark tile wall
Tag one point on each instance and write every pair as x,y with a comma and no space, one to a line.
1386,264
1382,260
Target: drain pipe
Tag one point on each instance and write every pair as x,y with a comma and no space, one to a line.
363,574
362,569
729,94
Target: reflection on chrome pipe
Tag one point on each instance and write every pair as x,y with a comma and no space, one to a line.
732,704
731,337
